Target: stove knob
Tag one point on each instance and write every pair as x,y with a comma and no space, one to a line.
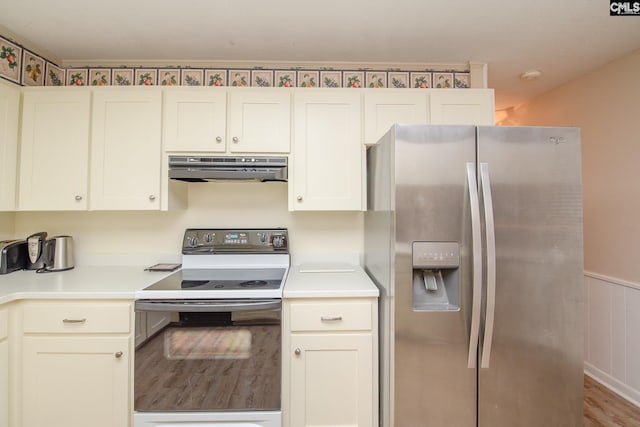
278,241
208,238
262,237
192,241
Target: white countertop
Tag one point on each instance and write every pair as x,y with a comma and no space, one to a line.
101,282
329,281
122,282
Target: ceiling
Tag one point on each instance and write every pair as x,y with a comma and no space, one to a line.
563,39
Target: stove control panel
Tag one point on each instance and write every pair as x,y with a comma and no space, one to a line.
226,240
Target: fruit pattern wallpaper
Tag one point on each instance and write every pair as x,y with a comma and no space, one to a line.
20,65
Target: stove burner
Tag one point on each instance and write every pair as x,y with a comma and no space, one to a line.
193,283
229,284
253,284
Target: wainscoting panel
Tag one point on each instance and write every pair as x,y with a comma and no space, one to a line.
612,334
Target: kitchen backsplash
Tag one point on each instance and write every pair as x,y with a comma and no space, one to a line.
20,65
130,237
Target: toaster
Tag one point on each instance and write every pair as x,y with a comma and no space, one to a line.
14,255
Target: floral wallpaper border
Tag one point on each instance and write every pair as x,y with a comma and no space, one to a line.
22,66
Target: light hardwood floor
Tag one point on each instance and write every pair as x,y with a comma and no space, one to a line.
603,408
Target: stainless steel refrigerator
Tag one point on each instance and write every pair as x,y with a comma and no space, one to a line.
474,237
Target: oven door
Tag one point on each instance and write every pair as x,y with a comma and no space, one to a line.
207,355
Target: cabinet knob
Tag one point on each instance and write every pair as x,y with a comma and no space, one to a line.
152,197
78,198
235,139
299,198
118,354
218,139
297,351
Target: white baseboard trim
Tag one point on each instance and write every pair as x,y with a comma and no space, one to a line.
612,280
613,384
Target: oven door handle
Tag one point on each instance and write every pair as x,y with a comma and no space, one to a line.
209,306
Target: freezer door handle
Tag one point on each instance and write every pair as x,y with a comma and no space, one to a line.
490,236
476,284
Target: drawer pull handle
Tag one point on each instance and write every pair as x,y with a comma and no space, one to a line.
330,318
297,351
118,354
74,320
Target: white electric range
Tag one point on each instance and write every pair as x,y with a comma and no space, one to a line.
211,353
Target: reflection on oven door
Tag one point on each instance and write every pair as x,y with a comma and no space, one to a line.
207,343
195,365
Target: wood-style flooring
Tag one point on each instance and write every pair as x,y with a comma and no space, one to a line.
603,408
195,369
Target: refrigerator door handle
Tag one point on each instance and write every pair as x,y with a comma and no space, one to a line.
490,235
476,243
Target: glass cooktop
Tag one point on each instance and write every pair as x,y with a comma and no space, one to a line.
221,280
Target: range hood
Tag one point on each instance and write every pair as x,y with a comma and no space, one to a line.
228,168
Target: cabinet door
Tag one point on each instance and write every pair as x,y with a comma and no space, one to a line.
195,119
126,149
9,113
54,149
332,380
328,153
259,120
4,383
75,382
462,107
384,108
4,369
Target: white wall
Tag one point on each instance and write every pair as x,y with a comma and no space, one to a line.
605,104
134,237
7,220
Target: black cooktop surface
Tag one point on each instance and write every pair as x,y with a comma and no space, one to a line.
221,279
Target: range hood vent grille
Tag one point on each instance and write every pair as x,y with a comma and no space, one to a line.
228,168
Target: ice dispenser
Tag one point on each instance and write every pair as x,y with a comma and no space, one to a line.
436,276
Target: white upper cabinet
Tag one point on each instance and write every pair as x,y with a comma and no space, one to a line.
54,149
233,120
195,119
259,120
328,154
101,148
9,113
462,107
383,108
126,148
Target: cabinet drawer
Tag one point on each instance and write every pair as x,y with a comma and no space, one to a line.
76,317
4,323
347,316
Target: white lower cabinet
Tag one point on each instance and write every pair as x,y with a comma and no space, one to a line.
4,368
76,364
75,382
330,359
